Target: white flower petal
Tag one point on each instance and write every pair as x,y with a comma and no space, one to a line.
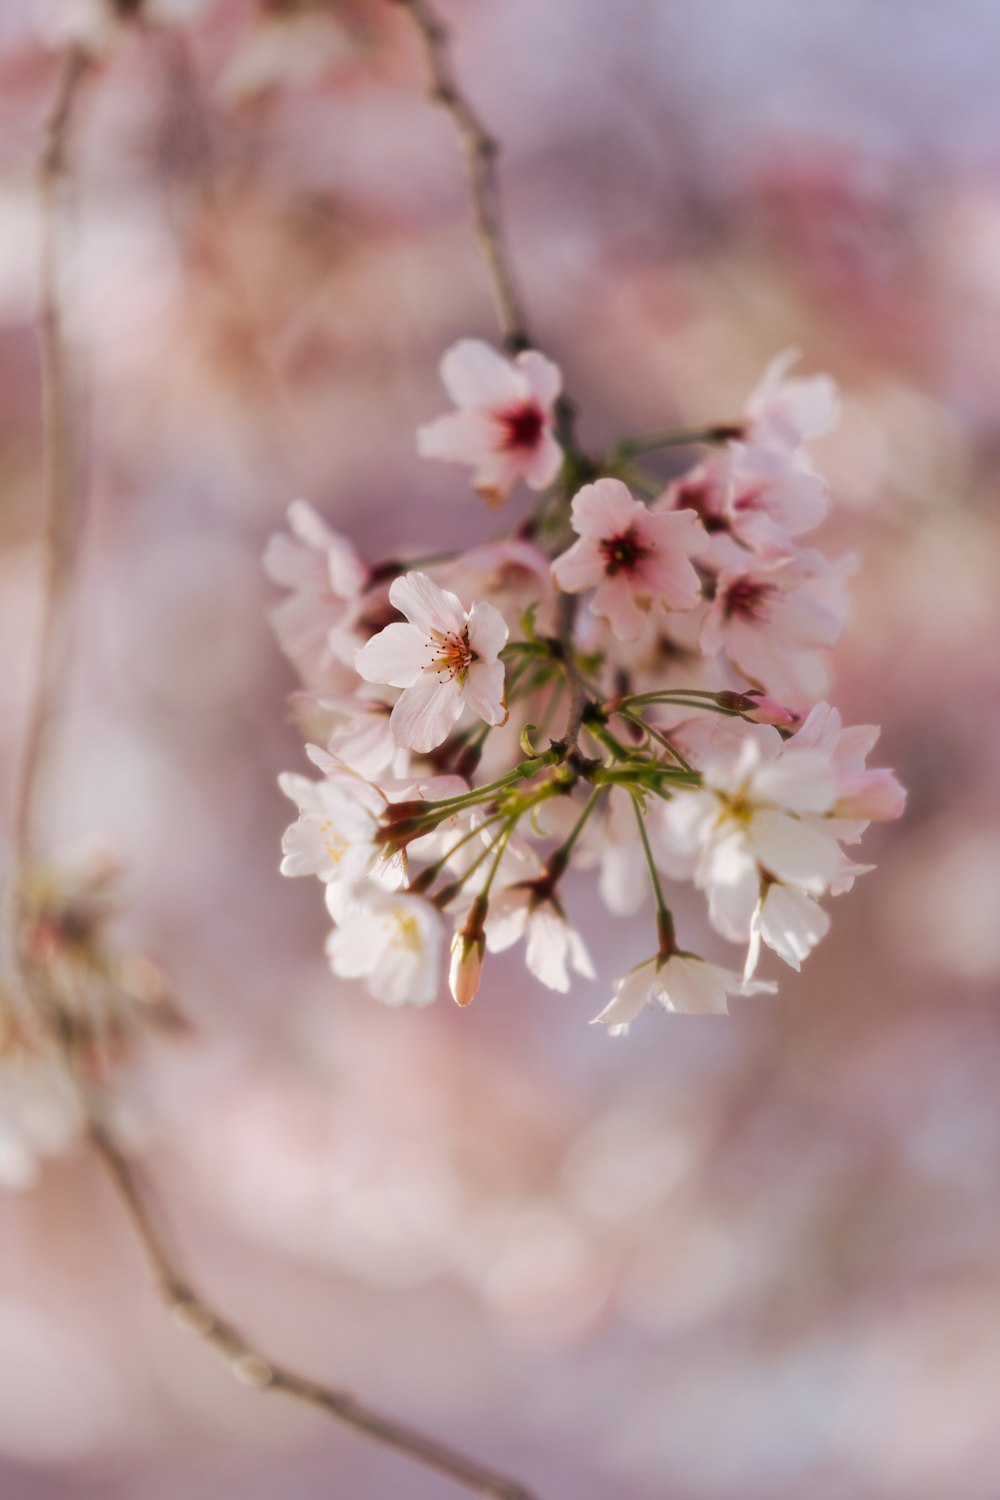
426,712
397,656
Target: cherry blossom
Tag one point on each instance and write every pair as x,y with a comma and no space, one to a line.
326,579
335,835
683,983
552,946
775,619
444,659
392,940
787,920
667,732
863,794
635,559
503,425
782,413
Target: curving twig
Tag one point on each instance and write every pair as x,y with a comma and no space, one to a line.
59,465
481,151
256,1370
245,1361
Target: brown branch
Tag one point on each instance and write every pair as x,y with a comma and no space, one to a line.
244,1360
248,1365
480,151
59,467
578,696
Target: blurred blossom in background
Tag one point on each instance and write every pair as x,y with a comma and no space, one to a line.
755,1259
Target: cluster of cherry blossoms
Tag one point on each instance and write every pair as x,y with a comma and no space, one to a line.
629,684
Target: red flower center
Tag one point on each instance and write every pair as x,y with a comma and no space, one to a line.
622,553
521,426
745,598
705,498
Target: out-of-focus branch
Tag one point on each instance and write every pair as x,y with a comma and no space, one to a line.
245,1361
59,466
254,1369
481,151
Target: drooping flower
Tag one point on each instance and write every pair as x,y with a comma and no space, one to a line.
552,945
444,659
637,560
326,579
503,426
789,921
392,940
683,983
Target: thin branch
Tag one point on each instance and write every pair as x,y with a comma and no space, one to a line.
59,463
246,1362
480,151
56,508
252,1368
567,655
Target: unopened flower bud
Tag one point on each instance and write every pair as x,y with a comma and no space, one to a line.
468,949
758,708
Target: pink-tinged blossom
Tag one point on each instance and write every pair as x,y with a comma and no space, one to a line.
315,625
683,983
864,795
552,945
391,940
753,495
636,560
775,619
784,412
514,573
444,659
503,425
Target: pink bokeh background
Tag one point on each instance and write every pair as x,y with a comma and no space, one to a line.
757,1258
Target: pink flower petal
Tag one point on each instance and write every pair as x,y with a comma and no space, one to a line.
474,374
544,379
604,509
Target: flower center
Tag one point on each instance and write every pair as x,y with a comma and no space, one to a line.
453,656
704,498
622,553
521,426
404,931
336,846
745,599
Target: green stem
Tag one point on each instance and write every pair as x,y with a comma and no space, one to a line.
428,876
678,437
664,916
656,734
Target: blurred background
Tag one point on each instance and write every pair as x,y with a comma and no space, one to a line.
755,1259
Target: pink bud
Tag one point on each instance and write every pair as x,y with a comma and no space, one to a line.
466,966
764,710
